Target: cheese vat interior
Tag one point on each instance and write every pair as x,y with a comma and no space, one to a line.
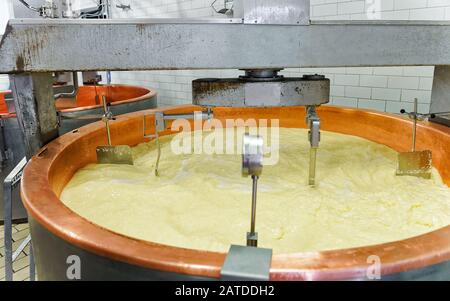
58,163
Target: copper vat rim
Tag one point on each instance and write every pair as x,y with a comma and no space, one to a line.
150,93
44,206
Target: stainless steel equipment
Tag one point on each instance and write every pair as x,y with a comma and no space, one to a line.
14,151
112,154
57,9
415,163
106,255
313,121
11,153
265,88
160,124
11,185
440,96
227,7
252,164
235,43
125,99
48,8
74,92
261,88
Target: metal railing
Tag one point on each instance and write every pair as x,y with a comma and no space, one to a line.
12,182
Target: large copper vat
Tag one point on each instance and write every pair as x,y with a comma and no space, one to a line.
123,99
57,232
73,113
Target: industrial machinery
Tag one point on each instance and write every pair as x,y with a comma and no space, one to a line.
112,154
71,113
415,163
261,43
58,9
265,88
160,120
252,157
59,232
77,104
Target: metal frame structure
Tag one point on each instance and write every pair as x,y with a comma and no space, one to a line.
12,182
33,48
36,45
260,38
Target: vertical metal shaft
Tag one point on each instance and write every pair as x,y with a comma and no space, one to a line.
106,119
108,16
160,125
252,236
252,157
35,108
312,166
158,145
108,133
314,138
254,190
414,125
108,9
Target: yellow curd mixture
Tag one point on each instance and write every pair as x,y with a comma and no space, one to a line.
203,202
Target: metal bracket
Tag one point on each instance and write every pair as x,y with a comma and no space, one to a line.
160,125
314,132
261,88
11,182
161,118
246,263
313,121
252,164
439,96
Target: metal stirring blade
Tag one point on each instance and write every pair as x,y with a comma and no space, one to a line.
160,119
415,163
112,154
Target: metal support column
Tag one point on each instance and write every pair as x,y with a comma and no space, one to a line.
35,108
440,96
11,182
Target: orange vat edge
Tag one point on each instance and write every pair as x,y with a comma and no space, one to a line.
49,171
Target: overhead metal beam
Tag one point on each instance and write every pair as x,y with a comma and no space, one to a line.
35,45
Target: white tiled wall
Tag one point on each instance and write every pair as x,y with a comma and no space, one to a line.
386,89
390,9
